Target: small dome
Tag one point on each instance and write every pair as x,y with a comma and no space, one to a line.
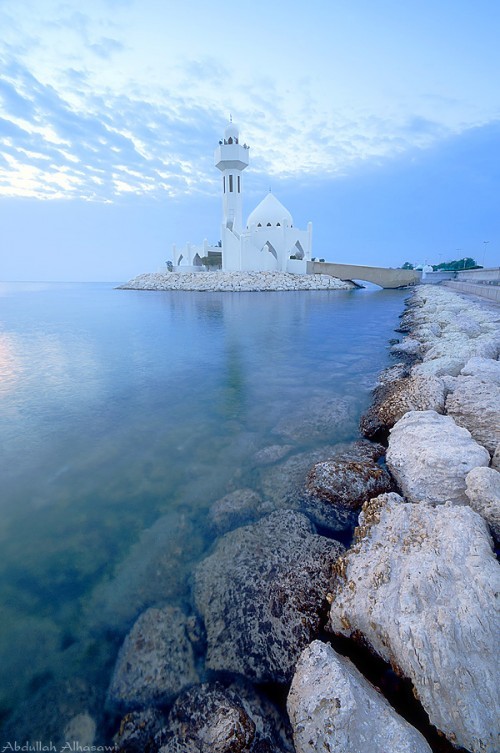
270,212
231,132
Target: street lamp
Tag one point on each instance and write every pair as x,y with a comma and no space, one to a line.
485,243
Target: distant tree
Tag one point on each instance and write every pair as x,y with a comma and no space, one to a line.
212,260
457,264
407,265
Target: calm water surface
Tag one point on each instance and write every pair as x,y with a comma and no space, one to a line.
124,412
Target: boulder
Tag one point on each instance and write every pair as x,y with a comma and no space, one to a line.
484,369
156,569
495,460
235,509
155,662
483,491
430,456
407,347
440,367
283,483
262,595
320,418
392,401
333,707
272,453
419,588
211,718
138,731
336,488
475,405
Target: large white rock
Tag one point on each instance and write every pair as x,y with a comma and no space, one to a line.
420,586
475,404
332,707
429,455
483,491
484,369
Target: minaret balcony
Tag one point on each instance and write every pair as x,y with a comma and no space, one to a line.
231,157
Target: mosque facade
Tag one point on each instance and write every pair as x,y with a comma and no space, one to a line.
267,241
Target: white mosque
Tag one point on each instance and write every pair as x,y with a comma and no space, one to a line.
268,241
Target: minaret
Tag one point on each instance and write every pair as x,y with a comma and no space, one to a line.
231,158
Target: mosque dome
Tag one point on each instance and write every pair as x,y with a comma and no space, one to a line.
231,132
270,213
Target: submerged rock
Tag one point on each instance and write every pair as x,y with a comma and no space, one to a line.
483,492
419,587
332,707
262,595
430,456
337,487
394,399
475,405
283,484
211,718
235,509
138,731
320,418
272,453
155,662
65,711
156,569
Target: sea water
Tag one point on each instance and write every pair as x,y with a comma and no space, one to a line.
124,416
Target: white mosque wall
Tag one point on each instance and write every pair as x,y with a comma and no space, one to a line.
188,258
231,251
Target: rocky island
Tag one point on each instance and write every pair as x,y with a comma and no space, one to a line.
235,281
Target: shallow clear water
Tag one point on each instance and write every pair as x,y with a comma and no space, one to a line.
122,409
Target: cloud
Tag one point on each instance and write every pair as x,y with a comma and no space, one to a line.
103,143
105,47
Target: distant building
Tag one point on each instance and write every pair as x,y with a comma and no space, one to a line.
268,241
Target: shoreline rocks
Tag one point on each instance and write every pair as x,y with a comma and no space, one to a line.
430,456
420,587
262,594
234,282
333,707
155,663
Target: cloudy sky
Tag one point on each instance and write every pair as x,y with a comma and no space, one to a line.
379,121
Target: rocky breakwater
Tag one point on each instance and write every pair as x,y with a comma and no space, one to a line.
420,585
233,282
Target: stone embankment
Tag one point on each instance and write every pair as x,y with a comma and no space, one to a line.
231,282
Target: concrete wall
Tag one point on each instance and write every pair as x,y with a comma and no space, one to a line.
489,274
491,292
386,278
432,278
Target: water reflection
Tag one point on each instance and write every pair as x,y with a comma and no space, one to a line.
126,414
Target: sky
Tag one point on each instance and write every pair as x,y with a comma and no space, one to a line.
377,121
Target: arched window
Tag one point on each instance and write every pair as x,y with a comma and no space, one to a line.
224,182
230,140
278,224
268,224
239,184
259,225
230,184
